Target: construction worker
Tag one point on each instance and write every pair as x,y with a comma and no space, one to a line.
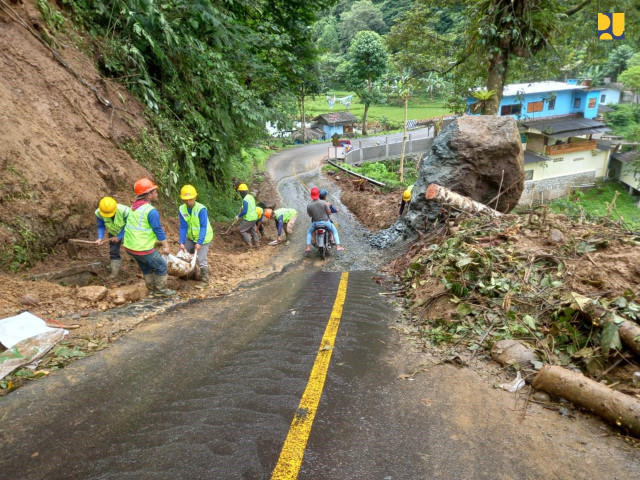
284,217
323,196
142,231
406,198
111,218
259,226
249,216
319,212
195,231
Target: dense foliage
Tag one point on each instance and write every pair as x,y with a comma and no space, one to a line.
212,72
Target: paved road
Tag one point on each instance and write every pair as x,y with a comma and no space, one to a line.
303,375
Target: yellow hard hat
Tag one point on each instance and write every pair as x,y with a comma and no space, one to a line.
406,195
259,212
188,192
243,187
108,207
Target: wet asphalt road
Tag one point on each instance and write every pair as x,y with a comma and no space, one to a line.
208,389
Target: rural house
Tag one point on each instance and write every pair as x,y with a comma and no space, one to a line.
336,122
559,135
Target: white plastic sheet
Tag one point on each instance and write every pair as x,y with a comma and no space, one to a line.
20,327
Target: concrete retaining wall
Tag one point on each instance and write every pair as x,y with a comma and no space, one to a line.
539,191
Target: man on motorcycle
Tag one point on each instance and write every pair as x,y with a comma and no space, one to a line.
319,212
323,196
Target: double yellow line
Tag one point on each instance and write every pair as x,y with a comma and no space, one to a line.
294,446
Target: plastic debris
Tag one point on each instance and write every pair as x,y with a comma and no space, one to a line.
181,264
514,386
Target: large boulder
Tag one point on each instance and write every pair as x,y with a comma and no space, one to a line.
473,156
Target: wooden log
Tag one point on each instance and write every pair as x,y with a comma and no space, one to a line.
371,180
446,196
629,331
615,407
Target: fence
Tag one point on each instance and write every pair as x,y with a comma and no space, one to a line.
386,150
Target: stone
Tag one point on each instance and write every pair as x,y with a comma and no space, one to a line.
29,299
508,352
540,396
92,293
475,156
556,236
129,293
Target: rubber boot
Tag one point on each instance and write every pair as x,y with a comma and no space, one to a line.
149,281
204,279
115,268
161,286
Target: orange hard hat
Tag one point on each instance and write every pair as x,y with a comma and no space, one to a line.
144,185
268,212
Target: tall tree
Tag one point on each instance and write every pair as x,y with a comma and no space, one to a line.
367,62
363,15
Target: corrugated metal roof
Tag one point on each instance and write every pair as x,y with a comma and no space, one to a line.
564,123
626,157
577,133
537,87
531,157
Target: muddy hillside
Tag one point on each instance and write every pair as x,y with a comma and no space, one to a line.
62,128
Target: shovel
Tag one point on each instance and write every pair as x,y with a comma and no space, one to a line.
70,246
230,226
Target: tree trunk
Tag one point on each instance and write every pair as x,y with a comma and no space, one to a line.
616,407
495,80
443,195
404,138
304,120
364,118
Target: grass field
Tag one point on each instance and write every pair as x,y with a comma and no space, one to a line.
596,200
419,108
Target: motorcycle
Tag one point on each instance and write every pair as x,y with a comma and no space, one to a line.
323,240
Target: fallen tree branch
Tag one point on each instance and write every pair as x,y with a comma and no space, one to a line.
615,407
375,182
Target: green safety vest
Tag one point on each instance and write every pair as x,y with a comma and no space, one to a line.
193,222
138,234
251,215
116,223
286,213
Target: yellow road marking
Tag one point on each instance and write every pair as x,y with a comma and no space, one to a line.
294,446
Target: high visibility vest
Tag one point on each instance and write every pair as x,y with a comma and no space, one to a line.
138,234
116,223
251,215
286,213
193,222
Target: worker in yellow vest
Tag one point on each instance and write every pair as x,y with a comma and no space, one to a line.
406,198
195,231
285,218
249,215
111,218
141,232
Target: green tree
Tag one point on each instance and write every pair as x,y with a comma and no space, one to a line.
634,61
328,40
617,61
363,15
367,62
630,78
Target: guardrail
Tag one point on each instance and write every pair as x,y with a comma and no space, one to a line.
386,150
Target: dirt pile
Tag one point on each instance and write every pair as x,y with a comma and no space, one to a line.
60,145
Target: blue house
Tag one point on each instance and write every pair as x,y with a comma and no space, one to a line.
561,139
337,122
544,99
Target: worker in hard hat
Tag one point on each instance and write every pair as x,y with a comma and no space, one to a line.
111,218
406,198
248,216
319,212
260,221
285,218
141,232
195,231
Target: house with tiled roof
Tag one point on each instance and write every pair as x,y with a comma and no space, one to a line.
336,122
